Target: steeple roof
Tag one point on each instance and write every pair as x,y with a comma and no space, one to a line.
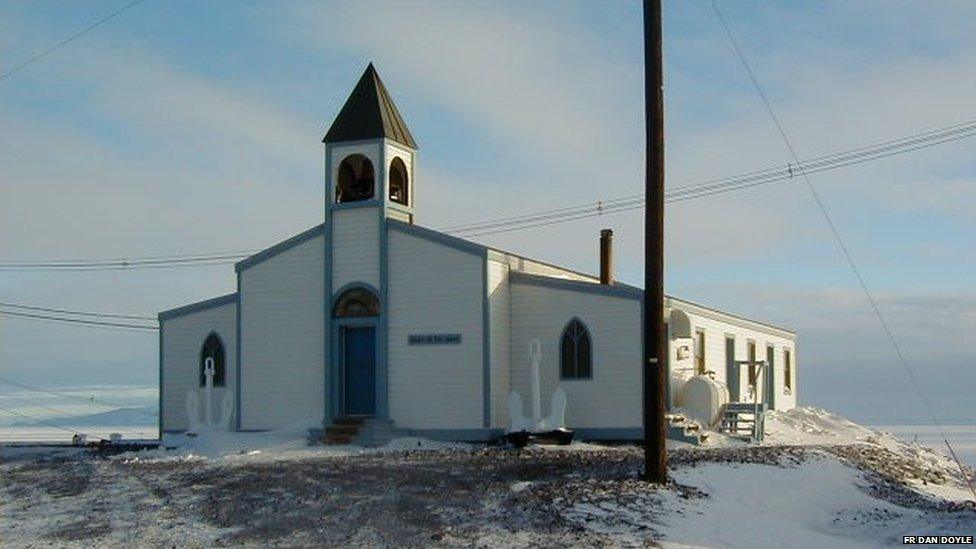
369,113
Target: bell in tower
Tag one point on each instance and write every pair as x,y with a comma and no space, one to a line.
370,152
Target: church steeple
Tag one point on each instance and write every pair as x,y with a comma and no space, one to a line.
370,154
369,113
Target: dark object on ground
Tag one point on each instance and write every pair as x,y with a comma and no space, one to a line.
521,439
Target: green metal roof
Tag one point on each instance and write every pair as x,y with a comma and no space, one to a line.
369,113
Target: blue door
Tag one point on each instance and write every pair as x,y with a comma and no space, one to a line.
359,369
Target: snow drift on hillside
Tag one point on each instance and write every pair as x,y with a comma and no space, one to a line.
818,480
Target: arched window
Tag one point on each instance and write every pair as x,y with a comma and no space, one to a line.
213,348
356,180
356,302
399,183
575,353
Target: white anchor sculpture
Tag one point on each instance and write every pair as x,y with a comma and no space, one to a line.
517,421
193,404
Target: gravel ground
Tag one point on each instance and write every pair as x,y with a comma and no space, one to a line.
481,497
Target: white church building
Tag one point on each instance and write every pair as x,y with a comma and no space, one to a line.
370,316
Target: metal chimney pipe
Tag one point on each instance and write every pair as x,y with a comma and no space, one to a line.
606,257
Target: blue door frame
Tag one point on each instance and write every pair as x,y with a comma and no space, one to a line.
358,359
337,375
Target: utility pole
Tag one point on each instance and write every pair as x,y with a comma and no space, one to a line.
655,376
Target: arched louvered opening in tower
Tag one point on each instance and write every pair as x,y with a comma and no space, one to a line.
399,182
356,180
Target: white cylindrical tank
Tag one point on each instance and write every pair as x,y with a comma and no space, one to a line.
703,398
679,377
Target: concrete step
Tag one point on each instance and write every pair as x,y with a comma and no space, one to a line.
340,429
336,440
349,421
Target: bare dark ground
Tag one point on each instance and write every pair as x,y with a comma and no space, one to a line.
486,497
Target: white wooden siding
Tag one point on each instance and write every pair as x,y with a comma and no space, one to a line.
613,397
183,337
716,331
355,247
283,340
531,266
499,294
434,289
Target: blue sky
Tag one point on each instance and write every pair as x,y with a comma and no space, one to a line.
183,127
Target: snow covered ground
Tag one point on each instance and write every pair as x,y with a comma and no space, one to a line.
817,480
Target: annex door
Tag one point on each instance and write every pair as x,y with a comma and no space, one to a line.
359,370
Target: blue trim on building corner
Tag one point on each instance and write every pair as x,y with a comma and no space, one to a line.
160,382
280,247
237,381
197,307
485,345
616,290
328,415
440,238
382,369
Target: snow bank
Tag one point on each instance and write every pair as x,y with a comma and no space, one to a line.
816,503
926,469
286,444
813,426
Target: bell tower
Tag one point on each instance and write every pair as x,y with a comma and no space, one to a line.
369,153
370,184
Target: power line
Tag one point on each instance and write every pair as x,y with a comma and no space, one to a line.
712,187
88,399
79,321
71,312
836,232
68,40
38,421
723,185
48,408
124,263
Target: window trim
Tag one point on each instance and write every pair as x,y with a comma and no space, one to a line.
704,345
585,333
337,188
406,182
217,367
787,371
373,305
752,377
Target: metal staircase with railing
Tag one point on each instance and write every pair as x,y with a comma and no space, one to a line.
744,420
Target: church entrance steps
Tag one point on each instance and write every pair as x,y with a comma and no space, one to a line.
360,431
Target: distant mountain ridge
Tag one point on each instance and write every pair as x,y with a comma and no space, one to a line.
120,417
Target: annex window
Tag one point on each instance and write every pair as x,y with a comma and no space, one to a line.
751,346
699,352
399,183
213,348
356,302
356,180
575,355
731,372
787,371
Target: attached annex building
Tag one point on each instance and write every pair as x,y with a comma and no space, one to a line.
371,315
